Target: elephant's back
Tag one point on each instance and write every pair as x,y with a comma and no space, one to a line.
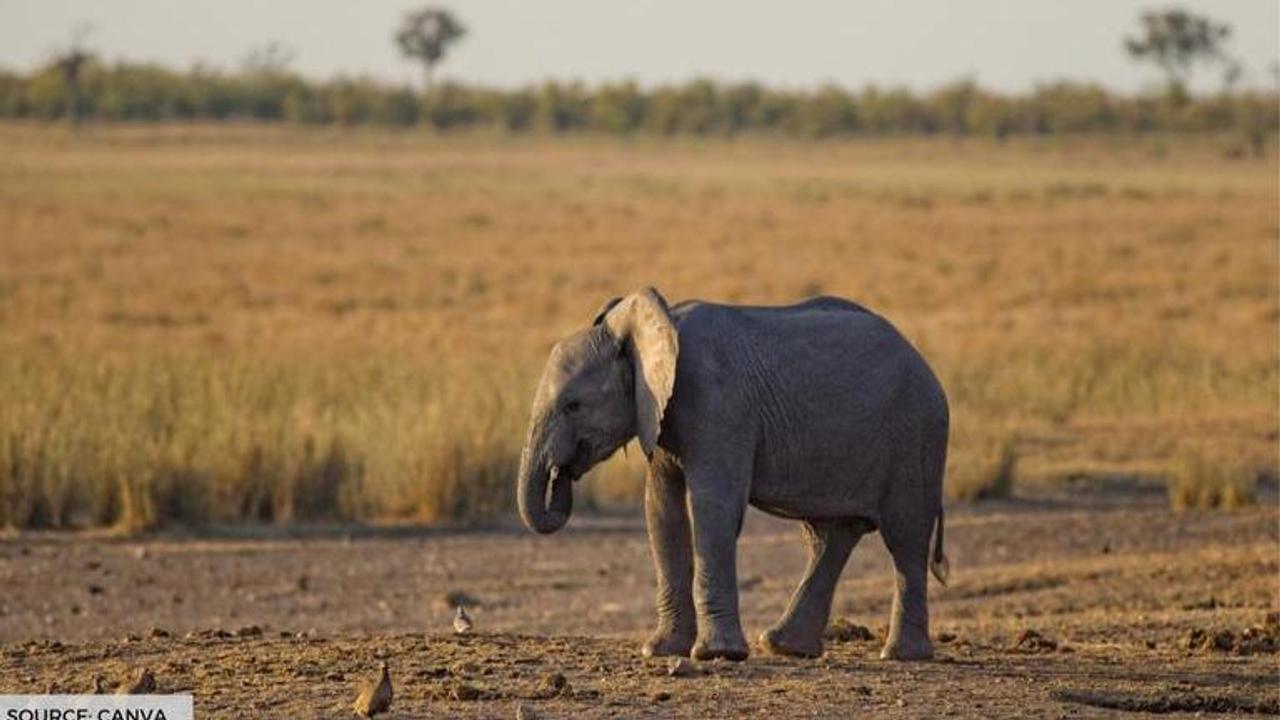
816,331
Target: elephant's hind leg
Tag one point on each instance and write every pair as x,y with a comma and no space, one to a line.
799,632
667,519
908,544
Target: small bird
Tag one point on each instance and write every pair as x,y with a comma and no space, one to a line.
461,622
142,683
375,697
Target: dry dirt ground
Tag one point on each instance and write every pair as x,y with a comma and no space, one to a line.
1090,602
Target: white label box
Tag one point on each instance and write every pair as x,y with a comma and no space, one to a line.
96,707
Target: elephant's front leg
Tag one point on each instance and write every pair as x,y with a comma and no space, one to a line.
716,505
667,519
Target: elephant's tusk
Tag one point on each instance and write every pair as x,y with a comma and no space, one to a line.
553,475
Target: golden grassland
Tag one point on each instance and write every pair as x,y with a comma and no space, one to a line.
226,323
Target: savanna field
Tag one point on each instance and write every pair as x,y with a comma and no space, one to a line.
271,372
209,324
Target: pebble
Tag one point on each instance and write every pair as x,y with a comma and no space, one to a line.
680,667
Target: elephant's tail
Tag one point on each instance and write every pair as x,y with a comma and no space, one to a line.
938,563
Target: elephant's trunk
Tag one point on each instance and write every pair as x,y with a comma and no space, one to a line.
536,472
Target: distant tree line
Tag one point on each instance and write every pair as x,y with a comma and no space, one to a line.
144,92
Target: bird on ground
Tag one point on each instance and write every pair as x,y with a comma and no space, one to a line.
142,683
461,622
375,697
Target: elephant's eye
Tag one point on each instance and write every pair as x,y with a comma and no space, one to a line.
572,407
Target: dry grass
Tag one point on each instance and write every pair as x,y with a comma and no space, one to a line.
1206,476
263,323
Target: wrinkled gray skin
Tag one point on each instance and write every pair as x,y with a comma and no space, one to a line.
820,412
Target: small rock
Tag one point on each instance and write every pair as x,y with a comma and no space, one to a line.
303,583
946,637
142,683
661,696
464,692
526,712
96,589
551,685
680,667
140,553
156,632
249,631
1032,641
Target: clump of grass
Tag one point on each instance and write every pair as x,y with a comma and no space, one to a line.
985,474
1206,476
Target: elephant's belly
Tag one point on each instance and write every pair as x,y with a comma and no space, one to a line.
821,482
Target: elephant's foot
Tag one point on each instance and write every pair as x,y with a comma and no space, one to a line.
667,641
721,643
782,639
911,643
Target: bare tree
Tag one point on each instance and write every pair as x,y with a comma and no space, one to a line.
1176,41
425,35
71,63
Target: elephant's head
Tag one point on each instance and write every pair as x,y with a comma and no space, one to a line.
601,387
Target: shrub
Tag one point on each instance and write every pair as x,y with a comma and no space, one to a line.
1206,476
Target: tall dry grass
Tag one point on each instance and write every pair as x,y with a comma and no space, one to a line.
231,323
1216,475
140,442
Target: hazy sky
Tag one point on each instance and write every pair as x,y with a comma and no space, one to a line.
1004,44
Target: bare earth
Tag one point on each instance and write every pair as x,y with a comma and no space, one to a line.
1112,583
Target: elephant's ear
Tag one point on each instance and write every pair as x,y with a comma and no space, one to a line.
604,310
642,323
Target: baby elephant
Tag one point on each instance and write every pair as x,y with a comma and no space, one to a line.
819,412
